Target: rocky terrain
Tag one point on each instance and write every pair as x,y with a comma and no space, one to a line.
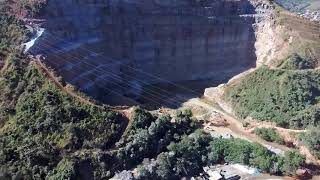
126,45
309,9
312,15
122,47
177,41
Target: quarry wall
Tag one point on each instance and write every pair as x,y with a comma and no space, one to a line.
94,43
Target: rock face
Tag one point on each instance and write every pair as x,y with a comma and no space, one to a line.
122,45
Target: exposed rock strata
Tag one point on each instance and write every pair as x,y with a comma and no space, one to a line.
176,40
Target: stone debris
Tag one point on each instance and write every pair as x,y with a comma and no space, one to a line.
311,15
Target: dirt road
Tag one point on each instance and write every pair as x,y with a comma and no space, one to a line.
236,127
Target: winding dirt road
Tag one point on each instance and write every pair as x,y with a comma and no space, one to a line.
235,126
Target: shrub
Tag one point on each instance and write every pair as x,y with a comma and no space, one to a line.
240,151
269,134
291,161
295,62
64,170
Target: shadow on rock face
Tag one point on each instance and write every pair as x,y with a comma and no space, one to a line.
155,52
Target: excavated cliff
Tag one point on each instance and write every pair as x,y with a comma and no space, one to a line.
122,46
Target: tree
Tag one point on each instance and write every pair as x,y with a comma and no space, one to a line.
147,169
183,122
291,161
190,153
64,170
311,139
164,166
241,151
269,134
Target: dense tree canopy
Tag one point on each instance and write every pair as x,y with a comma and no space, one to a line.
188,156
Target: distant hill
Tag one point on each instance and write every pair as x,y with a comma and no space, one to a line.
300,5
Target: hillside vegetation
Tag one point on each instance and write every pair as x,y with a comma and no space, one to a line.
312,140
46,134
12,33
295,62
43,120
288,96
